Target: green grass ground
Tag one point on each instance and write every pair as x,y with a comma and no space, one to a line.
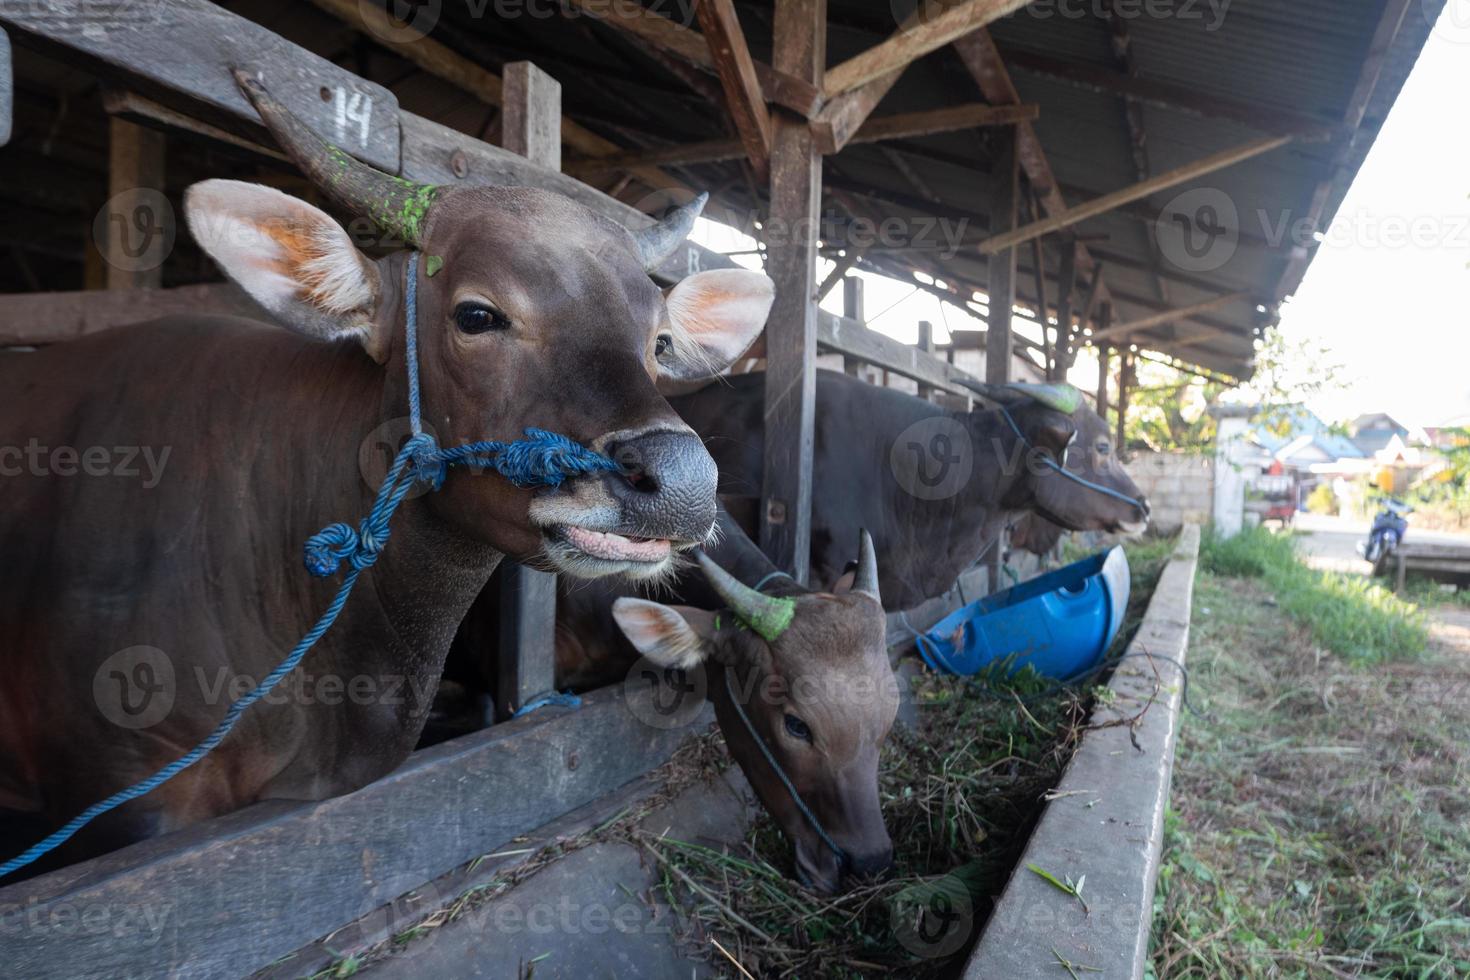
1319,824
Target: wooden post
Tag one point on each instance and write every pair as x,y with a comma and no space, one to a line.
1125,381
852,309
1002,265
530,126
799,35
1065,347
135,235
1001,277
1103,356
926,344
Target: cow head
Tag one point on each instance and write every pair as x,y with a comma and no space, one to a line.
532,311
1055,421
810,672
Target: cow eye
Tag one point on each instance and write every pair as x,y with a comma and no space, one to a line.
479,318
796,728
1103,449
661,344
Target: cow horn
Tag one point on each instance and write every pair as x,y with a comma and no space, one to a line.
766,614
659,240
866,580
400,207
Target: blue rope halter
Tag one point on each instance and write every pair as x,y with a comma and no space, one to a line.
541,459
1053,464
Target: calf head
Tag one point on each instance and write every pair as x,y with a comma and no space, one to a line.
1057,424
807,674
532,311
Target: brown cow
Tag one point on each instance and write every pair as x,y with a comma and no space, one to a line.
134,613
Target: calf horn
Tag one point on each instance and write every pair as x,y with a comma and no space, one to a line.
866,579
399,207
659,240
766,614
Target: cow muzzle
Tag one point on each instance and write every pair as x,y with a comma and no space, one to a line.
659,502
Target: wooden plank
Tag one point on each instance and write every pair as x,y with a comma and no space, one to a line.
139,230
743,97
526,665
1001,270
1066,342
1104,354
800,48
7,89
444,63
1125,382
28,319
852,309
531,125
1169,316
926,344
202,41
1134,192
909,43
234,894
838,335
135,108
781,87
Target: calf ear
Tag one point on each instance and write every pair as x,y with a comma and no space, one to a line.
670,636
292,259
714,317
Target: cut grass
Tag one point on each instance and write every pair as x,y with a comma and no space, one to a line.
1319,817
1348,614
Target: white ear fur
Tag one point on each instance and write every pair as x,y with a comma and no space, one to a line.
716,316
293,259
660,633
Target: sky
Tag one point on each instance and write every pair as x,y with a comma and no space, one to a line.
1388,292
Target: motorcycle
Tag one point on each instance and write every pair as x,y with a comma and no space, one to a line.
1389,525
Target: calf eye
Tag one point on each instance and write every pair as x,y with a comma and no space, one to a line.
479,318
796,728
661,344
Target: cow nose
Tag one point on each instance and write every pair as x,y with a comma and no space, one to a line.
665,485
870,865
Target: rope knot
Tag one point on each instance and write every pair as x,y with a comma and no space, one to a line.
335,543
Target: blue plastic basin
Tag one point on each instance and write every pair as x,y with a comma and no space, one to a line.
1059,624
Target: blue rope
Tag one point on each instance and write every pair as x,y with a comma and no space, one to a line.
542,459
566,699
1109,491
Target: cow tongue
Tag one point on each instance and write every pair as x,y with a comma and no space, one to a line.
616,547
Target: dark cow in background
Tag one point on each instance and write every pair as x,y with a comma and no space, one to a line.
532,311
933,487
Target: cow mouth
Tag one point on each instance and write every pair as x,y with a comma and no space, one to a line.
585,552
611,546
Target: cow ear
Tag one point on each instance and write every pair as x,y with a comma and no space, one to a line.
713,317
293,259
671,636
1054,432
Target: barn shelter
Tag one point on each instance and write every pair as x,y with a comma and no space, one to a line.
1147,178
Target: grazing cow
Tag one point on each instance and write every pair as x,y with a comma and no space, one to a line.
133,613
805,672
933,487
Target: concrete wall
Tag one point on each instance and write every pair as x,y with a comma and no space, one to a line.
1179,487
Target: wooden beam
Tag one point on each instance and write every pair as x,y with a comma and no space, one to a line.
449,65
898,126
1125,382
1169,316
782,88
852,309
7,89
912,42
139,231
800,48
1134,192
743,97
1066,344
33,319
1103,356
531,124
1001,271
843,264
